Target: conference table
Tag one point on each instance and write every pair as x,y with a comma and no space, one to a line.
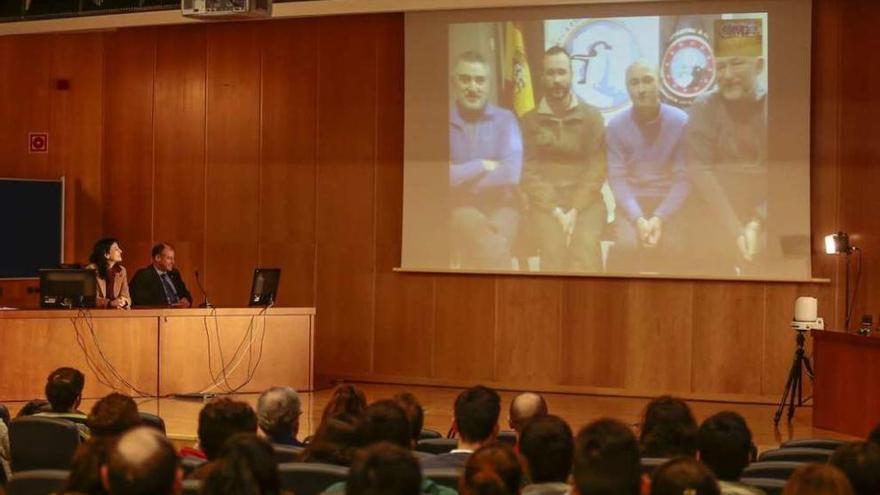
158,352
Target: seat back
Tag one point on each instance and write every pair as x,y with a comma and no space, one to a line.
777,470
37,482
436,445
813,443
796,454
427,433
189,464
768,486
286,453
153,421
649,464
192,487
307,478
447,477
42,443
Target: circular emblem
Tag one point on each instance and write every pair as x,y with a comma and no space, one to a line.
601,50
688,67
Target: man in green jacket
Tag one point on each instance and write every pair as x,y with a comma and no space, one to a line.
565,167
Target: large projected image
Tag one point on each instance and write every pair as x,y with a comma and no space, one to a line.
609,145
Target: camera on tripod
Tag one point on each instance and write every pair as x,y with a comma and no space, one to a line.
805,311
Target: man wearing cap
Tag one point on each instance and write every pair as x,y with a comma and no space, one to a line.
727,151
647,173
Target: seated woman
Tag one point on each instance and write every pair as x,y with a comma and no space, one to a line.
106,260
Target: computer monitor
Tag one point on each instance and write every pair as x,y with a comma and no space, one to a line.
264,289
68,288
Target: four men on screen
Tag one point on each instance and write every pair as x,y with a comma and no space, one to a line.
698,176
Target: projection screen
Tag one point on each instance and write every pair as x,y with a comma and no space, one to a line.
662,139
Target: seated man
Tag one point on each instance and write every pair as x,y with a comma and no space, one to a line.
142,462
278,412
523,408
476,419
606,460
860,462
547,445
64,392
160,283
384,468
724,443
219,420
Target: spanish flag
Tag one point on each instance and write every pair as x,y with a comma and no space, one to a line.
518,91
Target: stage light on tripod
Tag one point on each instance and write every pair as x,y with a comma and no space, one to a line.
838,244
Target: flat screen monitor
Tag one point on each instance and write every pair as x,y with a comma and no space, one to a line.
68,288
264,289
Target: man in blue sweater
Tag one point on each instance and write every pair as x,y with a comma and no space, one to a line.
648,175
485,164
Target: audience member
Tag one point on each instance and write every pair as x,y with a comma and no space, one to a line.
524,407
817,479
860,462
606,460
335,442
5,452
668,429
385,469
385,421
346,399
142,462
246,465
684,476
476,419
64,392
278,412
725,442
110,416
547,444
414,413
492,470
218,421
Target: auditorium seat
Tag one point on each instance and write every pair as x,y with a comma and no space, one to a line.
286,453
42,443
307,478
813,443
777,470
767,485
37,482
649,464
436,445
796,454
153,421
189,463
427,433
191,487
447,477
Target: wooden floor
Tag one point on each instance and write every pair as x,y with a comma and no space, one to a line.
181,417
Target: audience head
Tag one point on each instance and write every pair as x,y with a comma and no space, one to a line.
246,465
85,467
105,254
162,255
219,420
142,462
334,442
347,399
64,389
725,443
547,444
606,460
476,414
112,415
817,479
668,429
384,469
492,470
385,421
684,475
860,462
524,407
278,412
414,413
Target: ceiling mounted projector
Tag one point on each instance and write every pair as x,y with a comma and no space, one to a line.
219,9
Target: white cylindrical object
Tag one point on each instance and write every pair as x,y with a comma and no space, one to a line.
806,309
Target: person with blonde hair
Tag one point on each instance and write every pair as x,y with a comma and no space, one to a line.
818,479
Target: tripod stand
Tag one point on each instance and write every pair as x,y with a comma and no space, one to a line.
794,385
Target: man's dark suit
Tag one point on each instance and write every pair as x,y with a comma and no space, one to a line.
147,290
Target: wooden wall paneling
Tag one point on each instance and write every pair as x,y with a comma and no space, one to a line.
287,173
659,335
347,129
464,327
233,155
76,136
728,326
24,87
179,147
130,57
594,315
528,341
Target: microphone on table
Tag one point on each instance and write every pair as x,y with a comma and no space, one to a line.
205,304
